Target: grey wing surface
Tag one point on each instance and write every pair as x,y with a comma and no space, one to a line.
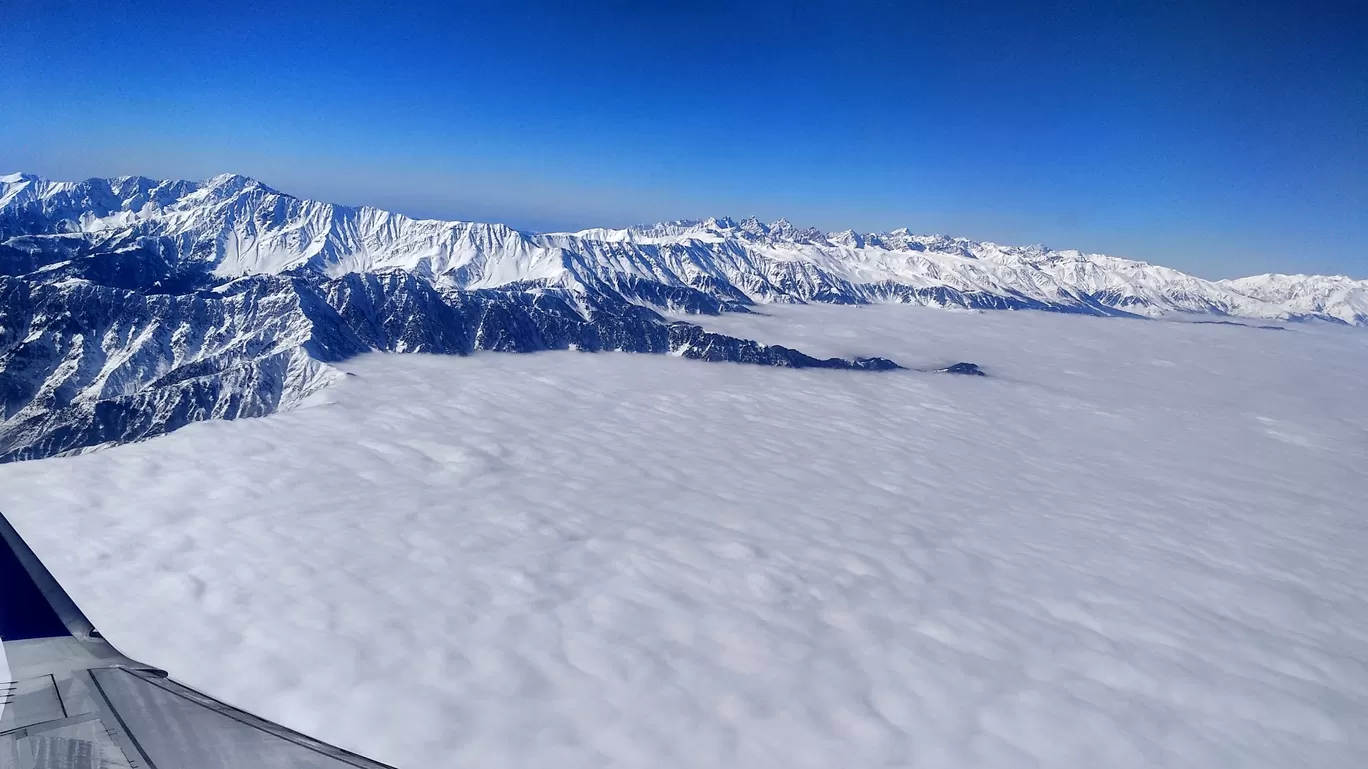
70,700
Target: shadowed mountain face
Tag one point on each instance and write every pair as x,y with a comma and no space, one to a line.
84,364
130,307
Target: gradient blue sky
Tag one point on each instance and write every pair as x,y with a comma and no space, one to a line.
1221,138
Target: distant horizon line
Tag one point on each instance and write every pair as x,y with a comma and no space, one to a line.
732,223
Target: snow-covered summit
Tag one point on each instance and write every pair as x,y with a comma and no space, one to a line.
1337,296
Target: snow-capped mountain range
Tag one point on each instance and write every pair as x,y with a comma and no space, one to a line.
231,226
131,306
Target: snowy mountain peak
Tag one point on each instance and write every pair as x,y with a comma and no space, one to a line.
1336,296
753,225
848,238
228,185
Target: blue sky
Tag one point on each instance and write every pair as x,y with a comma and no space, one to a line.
1221,138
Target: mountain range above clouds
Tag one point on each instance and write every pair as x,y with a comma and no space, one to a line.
131,306
231,226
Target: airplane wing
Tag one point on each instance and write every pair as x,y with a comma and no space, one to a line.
70,700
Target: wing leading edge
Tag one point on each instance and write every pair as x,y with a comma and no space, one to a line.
70,700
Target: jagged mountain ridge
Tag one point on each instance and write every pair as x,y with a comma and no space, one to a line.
118,321
230,226
83,364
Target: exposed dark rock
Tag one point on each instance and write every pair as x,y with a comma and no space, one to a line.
85,364
966,369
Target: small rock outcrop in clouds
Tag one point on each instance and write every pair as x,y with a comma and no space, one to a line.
962,368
